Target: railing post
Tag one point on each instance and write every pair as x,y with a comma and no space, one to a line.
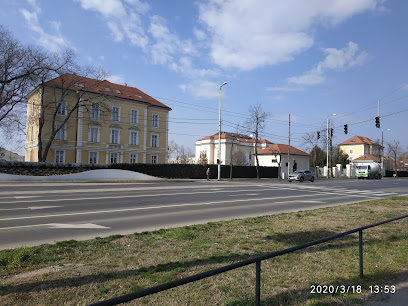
258,284
360,248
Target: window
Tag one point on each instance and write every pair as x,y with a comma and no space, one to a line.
351,151
117,91
59,156
94,134
134,138
32,108
115,113
155,120
61,134
95,111
62,109
93,157
114,136
107,89
154,159
133,116
79,85
31,132
114,158
133,158
155,141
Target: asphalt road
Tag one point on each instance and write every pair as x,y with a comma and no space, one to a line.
33,213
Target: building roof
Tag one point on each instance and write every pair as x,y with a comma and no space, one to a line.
368,157
237,137
75,82
357,140
278,148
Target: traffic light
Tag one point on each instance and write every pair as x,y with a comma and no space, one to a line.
318,135
331,132
377,122
345,129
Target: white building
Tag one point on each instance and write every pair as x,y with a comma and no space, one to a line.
276,155
230,143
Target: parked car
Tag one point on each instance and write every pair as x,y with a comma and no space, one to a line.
302,175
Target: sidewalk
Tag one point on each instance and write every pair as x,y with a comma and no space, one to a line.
400,297
91,175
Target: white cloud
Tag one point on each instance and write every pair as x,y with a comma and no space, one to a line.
201,89
122,19
336,59
117,79
247,34
54,42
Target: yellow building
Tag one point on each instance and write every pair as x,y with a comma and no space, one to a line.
358,146
101,123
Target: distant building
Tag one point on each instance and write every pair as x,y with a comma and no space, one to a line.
113,123
6,155
358,146
276,155
233,146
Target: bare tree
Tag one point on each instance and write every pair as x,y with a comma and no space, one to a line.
179,153
256,126
238,158
203,160
20,67
395,151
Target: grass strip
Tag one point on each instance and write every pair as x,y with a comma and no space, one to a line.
81,272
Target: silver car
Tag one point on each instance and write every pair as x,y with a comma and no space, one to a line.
301,175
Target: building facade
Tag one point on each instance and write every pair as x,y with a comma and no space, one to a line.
95,122
277,155
6,155
358,146
234,147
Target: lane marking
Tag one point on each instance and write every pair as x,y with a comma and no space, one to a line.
30,208
158,207
60,225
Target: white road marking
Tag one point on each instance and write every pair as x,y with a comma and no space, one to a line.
30,208
241,195
73,225
159,207
60,225
25,197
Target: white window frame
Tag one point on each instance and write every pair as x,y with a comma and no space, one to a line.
351,151
114,113
57,156
95,110
93,156
155,120
133,158
133,141
154,159
98,134
134,116
62,133
113,155
111,136
32,108
154,143
64,109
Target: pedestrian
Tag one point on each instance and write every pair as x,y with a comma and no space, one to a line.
208,174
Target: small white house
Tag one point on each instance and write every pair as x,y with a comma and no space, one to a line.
276,155
230,143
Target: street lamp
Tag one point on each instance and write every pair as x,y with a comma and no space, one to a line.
327,144
382,151
219,136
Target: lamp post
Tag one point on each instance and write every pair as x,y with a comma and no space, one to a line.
327,144
382,151
219,136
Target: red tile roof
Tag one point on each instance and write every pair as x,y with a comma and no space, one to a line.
359,140
278,148
368,157
240,139
75,82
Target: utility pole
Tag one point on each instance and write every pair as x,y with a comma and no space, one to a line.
289,150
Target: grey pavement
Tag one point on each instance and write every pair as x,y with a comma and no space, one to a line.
91,175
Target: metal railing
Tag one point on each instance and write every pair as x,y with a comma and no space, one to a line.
255,260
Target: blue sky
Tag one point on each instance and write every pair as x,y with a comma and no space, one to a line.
307,58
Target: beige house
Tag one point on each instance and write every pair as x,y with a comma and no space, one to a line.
101,123
358,146
231,145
